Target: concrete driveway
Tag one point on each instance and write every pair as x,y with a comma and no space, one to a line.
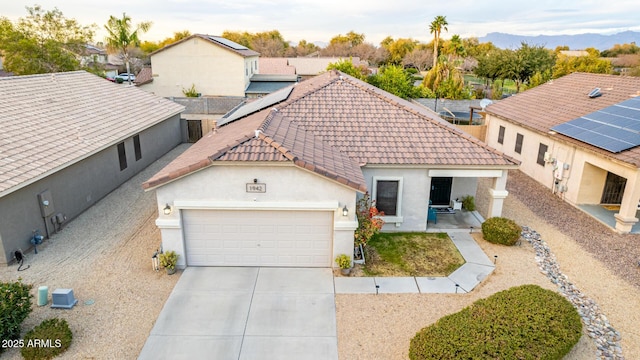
247,313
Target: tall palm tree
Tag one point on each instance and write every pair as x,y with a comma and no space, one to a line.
435,28
121,38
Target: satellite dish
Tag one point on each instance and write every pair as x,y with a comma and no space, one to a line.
485,102
595,93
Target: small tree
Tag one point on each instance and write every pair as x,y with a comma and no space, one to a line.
15,306
121,38
369,222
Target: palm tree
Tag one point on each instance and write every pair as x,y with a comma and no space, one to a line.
120,38
436,26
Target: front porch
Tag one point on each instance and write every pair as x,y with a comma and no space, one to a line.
606,215
458,220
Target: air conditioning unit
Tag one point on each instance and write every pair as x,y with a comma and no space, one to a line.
547,157
63,298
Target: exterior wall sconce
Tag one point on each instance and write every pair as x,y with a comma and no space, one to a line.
345,211
167,210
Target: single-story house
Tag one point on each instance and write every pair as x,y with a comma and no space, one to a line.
213,65
305,67
66,141
578,135
276,184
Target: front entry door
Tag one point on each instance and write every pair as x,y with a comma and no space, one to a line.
440,191
613,189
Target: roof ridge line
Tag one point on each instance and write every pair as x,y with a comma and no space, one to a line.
226,149
277,146
377,92
308,92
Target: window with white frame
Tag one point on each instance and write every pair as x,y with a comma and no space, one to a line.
387,194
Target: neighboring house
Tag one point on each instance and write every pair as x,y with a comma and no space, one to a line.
262,84
95,57
304,67
66,141
276,183
214,65
583,148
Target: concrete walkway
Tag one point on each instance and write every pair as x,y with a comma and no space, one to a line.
477,267
247,313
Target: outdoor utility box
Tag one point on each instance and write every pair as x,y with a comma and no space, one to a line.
63,298
43,295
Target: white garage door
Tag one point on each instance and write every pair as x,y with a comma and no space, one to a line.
258,238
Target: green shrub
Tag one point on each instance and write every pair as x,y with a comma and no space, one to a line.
47,340
468,203
499,230
119,80
524,322
15,306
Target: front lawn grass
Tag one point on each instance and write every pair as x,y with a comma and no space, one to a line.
411,254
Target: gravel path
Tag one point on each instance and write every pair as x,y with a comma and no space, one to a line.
104,255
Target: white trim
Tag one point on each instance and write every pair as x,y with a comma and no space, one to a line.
170,223
345,226
498,194
465,173
398,216
256,205
391,219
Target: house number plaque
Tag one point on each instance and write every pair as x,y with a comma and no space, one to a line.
256,188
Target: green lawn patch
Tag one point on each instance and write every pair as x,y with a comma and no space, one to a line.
411,254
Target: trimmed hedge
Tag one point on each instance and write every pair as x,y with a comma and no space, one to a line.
15,306
524,322
47,340
499,230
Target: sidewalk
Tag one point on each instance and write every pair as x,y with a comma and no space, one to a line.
476,268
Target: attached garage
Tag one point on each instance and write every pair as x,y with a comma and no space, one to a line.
258,238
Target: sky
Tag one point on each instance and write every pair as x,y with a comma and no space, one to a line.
320,20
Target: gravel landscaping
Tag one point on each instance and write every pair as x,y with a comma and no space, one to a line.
105,256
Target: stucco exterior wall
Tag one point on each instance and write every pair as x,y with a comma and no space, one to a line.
287,187
79,186
212,69
586,174
416,189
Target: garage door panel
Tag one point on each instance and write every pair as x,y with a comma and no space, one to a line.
258,238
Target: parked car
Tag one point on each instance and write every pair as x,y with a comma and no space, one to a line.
125,77
111,78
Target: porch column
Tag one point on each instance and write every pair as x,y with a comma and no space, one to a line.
626,218
497,194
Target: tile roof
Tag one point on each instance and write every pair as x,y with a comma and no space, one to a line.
52,121
145,76
565,99
275,66
304,66
225,44
333,124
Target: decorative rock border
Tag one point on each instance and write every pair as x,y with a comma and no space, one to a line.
605,337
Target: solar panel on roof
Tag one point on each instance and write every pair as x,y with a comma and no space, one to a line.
229,43
257,105
615,128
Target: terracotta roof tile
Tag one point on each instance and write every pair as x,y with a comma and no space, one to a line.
275,66
145,76
565,99
51,121
332,125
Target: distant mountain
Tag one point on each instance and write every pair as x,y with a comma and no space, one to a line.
575,42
